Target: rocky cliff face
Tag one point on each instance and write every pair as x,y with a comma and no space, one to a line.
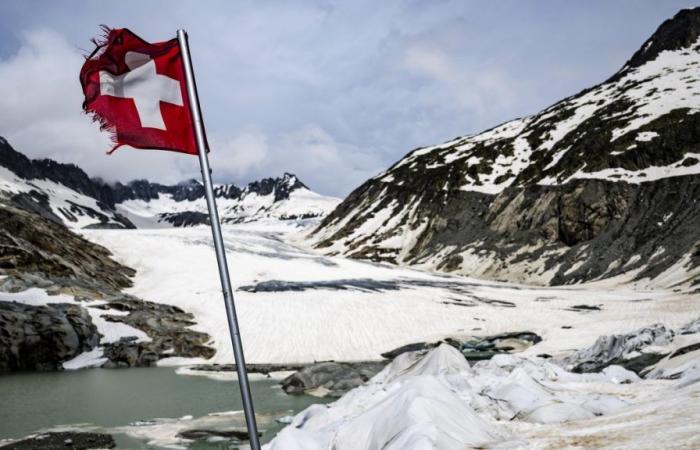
42,337
601,183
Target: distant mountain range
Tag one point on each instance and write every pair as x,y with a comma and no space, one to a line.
64,193
602,183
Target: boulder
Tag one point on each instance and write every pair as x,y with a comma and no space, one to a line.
235,434
42,337
331,379
626,350
167,327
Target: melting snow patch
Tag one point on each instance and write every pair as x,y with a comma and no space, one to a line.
646,136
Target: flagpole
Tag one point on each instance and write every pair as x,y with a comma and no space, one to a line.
218,242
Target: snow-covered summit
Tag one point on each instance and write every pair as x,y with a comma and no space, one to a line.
66,194
624,129
282,198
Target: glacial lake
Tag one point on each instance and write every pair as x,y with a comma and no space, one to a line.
125,402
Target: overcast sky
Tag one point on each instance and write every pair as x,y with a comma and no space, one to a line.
332,91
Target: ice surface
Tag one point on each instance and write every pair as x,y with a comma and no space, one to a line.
381,306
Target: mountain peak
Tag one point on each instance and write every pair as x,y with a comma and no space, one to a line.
190,182
680,31
292,181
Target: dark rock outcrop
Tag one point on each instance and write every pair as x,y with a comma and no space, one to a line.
414,347
264,369
43,337
185,218
477,348
145,190
681,31
626,350
234,434
67,440
331,379
167,327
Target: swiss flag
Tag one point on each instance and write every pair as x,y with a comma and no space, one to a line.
137,91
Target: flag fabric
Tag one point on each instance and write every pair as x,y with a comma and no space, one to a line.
136,90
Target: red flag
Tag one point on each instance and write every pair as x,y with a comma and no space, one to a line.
137,91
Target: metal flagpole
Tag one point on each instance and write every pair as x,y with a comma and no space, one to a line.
218,243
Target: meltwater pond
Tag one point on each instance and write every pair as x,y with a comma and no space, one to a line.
141,408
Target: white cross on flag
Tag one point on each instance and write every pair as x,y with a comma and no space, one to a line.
137,91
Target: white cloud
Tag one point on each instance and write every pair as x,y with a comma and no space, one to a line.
467,85
310,152
324,89
240,154
41,115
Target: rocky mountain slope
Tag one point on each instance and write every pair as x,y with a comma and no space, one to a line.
602,183
65,194
59,192
61,298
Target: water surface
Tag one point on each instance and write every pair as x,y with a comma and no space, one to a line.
108,398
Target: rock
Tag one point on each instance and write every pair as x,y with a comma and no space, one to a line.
331,379
417,346
585,308
127,353
691,328
680,31
478,348
237,434
167,327
42,337
37,252
264,369
626,350
63,441
489,346
185,218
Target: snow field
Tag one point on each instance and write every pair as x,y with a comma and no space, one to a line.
351,322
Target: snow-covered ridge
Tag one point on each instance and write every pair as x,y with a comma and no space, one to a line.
66,194
74,209
284,198
632,103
